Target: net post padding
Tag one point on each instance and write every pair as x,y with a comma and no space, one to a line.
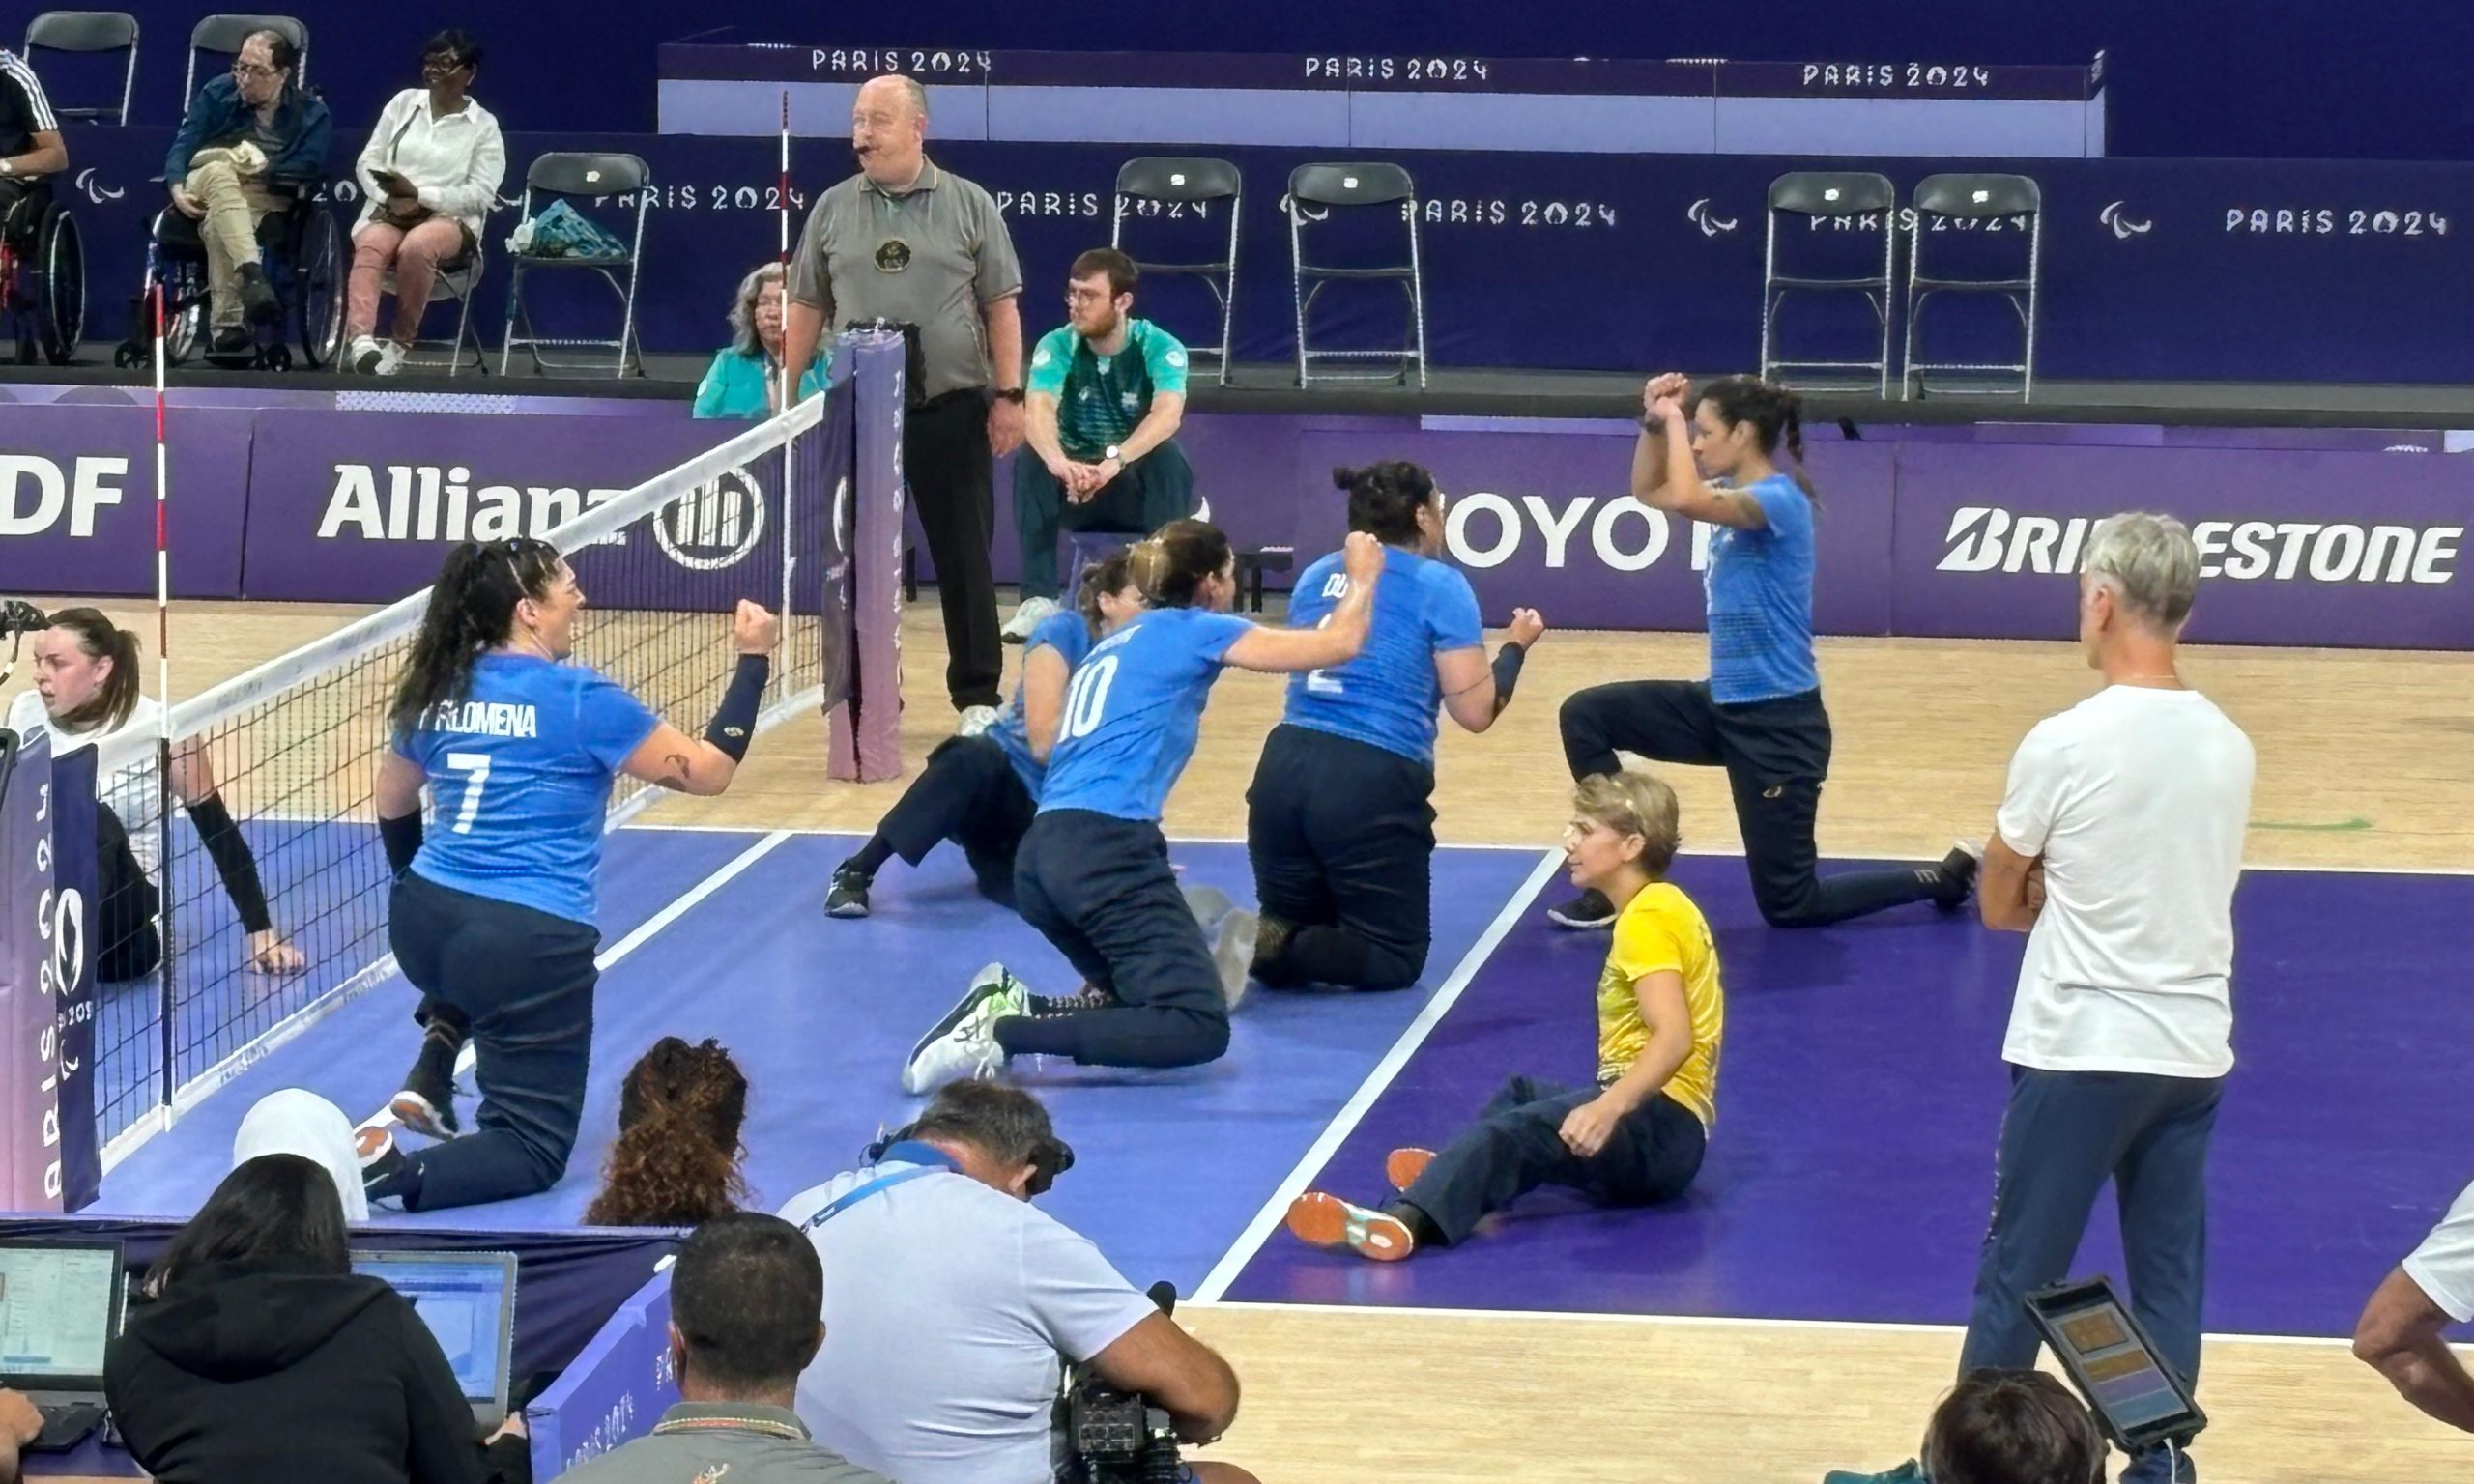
866,741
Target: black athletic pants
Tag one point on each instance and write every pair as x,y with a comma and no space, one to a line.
1776,754
524,980
124,917
1341,837
1156,489
970,794
953,483
1100,889
1517,1145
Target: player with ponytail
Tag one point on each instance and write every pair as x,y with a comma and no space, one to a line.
1092,873
1716,458
677,1161
491,915
86,690
1338,823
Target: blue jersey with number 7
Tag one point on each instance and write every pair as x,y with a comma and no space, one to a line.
519,779
1131,711
1388,696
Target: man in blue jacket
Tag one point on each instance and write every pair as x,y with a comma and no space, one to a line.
245,135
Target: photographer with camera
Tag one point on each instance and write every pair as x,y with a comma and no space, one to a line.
958,1304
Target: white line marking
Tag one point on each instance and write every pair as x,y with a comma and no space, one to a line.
1345,1122
604,961
1715,1321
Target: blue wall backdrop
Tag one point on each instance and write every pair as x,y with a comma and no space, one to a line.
2260,78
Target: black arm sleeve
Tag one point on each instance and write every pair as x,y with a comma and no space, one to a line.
1507,663
734,723
232,861
402,839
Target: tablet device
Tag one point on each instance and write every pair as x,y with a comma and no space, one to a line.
2136,1398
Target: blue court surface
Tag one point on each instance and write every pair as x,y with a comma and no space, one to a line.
1859,1094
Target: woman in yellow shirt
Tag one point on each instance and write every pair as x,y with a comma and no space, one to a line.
1638,1135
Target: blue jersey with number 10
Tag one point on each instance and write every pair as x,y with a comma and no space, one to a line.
1388,696
1131,711
519,776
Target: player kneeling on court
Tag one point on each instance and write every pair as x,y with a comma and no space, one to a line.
1635,1138
981,791
492,916
1093,874
1337,824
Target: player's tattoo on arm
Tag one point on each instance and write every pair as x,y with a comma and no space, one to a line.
675,777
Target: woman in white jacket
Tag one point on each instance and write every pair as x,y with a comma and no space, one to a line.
430,173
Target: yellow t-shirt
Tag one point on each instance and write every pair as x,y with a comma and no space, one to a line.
1661,929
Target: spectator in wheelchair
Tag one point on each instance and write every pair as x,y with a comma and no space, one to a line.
29,144
745,377
429,175
251,140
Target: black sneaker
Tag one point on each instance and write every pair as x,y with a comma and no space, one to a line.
1271,946
1958,871
847,896
426,1105
385,1172
1590,909
230,342
259,304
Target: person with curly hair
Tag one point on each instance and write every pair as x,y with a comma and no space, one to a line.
677,1161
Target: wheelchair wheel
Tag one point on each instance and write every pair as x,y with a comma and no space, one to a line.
318,288
185,314
60,267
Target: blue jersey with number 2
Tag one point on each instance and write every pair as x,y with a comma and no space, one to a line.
1131,711
1069,634
519,780
1388,696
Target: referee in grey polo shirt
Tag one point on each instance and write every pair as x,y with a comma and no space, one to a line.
906,242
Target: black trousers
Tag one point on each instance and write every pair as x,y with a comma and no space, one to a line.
1776,754
125,916
1517,1145
953,482
1341,837
1100,889
970,794
1156,489
523,981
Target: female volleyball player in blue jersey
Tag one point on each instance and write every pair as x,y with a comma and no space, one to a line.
1338,823
1712,458
1093,874
492,916
981,791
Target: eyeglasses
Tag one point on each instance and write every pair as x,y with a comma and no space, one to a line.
442,67
249,69
1088,296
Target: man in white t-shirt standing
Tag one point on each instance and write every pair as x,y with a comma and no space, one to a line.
2116,851
2400,1333
951,1303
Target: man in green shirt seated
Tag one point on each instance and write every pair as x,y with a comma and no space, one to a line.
1106,394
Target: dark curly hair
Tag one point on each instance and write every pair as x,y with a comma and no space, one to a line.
676,1159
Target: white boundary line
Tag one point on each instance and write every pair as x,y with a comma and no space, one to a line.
1712,1321
609,957
1345,1122
1448,845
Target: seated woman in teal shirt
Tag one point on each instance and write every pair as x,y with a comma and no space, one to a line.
744,380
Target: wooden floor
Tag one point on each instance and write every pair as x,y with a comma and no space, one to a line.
2362,764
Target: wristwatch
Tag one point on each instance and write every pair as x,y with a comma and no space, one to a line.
1113,451
7,167
1013,394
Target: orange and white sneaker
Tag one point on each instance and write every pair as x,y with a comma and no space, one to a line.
1403,1166
1321,1219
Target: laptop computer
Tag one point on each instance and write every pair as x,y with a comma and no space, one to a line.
468,1301
60,1306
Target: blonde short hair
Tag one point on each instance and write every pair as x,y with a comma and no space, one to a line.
1630,802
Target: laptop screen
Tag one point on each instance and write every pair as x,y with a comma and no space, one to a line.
468,1301
57,1307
